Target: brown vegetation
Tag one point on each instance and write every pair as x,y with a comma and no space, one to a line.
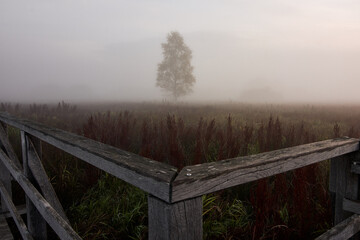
292,205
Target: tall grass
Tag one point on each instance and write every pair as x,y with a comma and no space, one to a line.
292,205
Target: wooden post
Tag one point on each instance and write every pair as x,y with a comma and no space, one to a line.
5,176
181,220
35,222
39,173
344,183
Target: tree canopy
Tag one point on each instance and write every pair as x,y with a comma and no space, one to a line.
175,72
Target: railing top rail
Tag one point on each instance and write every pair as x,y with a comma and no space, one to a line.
163,181
149,175
205,178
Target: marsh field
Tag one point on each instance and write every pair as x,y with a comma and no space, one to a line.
293,205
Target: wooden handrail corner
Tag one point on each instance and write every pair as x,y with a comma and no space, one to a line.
200,179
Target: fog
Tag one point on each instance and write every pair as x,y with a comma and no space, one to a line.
246,51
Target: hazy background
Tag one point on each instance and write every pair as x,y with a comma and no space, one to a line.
258,50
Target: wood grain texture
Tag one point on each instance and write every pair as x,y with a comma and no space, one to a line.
5,177
8,148
352,206
355,168
21,209
343,230
182,220
338,179
340,187
35,221
346,185
151,176
5,232
57,223
352,179
43,181
332,185
201,179
332,175
15,215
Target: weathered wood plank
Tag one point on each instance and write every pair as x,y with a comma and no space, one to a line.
15,215
352,206
352,182
344,230
58,224
201,179
151,176
340,185
332,177
355,167
332,185
5,177
346,184
8,148
35,221
352,179
340,214
21,209
182,220
5,232
43,181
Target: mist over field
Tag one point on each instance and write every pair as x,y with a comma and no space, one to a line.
246,51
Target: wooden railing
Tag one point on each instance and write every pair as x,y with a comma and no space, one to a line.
174,197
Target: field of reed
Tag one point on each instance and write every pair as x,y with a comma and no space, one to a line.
293,205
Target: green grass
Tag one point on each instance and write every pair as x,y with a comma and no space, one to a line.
100,206
111,209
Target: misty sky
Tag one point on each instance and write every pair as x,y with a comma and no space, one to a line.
258,50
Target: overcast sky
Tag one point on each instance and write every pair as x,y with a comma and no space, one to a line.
255,50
